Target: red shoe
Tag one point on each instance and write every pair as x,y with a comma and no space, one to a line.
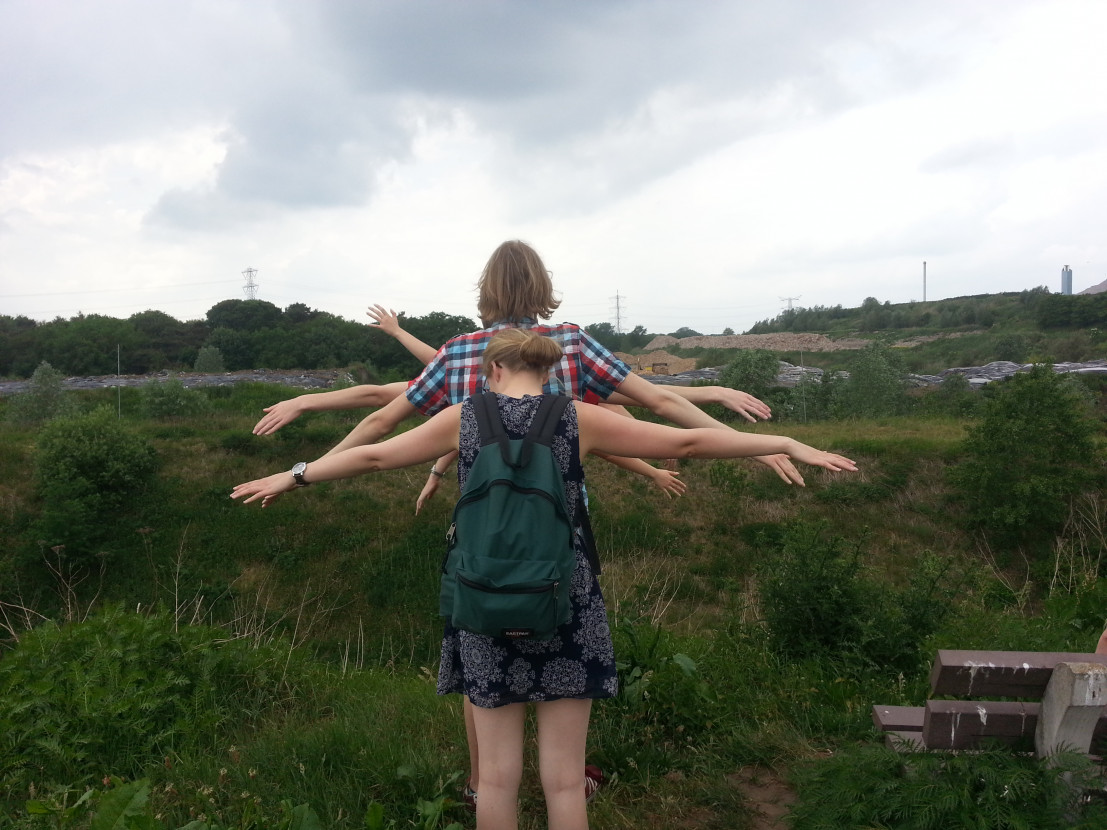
593,780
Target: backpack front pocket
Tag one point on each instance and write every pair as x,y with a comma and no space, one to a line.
517,599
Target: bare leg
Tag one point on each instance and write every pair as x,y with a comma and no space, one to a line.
471,737
562,735
500,737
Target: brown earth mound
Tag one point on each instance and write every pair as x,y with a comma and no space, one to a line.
773,342
657,362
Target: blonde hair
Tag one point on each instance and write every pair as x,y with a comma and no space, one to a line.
515,284
521,350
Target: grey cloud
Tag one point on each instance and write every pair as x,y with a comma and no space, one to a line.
318,95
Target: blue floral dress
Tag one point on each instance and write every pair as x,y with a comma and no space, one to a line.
579,662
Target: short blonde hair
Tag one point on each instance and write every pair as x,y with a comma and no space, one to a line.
521,350
515,284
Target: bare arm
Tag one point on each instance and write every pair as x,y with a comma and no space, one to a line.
354,397
389,322
434,478
668,482
661,401
377,425
607,432
735,400
427,441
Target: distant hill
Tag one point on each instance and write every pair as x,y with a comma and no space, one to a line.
1095,289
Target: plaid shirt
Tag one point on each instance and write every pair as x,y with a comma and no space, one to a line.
586,370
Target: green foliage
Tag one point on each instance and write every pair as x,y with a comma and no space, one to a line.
172,399
875,387
619,341
44,398
684,331
1054,311
127,806
875,787
1032,451
121,691
659,686
86,468
955,398
728,477
209,359
753,371
817,602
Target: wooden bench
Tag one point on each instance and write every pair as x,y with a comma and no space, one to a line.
1061,703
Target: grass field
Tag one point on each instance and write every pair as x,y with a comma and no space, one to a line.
334,590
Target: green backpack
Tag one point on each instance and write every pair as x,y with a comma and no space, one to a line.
509,556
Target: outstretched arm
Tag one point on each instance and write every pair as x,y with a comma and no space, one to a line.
661,401
667,481
389,322
427,441
354,397
377,424
607,432
735,400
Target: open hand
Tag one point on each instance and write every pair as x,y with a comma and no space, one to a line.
267,489
744,404
385,319
669,483
277,415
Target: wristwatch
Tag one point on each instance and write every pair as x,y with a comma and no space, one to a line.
298,470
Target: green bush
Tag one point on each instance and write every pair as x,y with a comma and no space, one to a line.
44,398
1032,451
209,359
753,371
817,603
89,469
171,399
875,787
875,387
121,691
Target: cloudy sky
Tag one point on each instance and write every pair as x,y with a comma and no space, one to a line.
685,163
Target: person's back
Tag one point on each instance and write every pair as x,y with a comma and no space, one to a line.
580,662
586,369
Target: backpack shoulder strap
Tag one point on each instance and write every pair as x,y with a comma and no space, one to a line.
546,419
490,426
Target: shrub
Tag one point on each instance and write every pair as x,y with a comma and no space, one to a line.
753,371
88,468
817,603
121,691
171,399
875,387
209,359
44,398
997,789
955,397
1031,453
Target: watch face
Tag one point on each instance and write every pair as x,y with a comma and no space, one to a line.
298,468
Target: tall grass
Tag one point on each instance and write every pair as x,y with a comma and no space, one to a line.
326,601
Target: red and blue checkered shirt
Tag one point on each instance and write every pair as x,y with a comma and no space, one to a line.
587,371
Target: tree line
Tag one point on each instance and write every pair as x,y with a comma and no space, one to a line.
238,335
242,334
1035,306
